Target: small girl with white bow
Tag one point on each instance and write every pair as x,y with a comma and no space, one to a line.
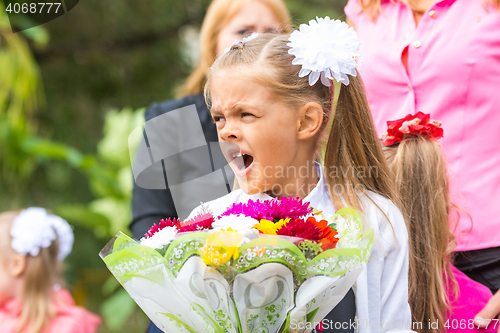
33,244
271,98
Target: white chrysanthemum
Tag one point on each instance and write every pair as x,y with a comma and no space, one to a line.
160,238
240,223
34,229
326,49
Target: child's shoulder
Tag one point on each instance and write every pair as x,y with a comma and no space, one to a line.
385,216
380,203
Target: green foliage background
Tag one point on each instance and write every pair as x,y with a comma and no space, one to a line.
71,91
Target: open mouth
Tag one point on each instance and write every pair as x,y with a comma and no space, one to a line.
241,161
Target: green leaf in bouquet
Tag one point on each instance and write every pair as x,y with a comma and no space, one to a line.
310,316
310,246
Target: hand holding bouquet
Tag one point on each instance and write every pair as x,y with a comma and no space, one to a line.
259,267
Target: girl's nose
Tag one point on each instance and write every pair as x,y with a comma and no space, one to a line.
229,132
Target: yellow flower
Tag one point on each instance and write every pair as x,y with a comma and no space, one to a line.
269,227
220,247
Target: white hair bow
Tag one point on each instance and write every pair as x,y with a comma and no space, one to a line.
326,49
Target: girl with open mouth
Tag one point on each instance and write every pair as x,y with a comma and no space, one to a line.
272,115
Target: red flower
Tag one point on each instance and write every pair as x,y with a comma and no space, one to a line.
412,125
163,223
302,229
199,222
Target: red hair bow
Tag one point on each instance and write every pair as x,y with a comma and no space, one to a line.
412,125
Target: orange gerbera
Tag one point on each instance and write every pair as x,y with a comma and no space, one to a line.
328,241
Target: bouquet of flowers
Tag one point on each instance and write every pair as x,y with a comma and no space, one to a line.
259,267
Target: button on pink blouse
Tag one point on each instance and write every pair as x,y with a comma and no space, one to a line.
453,74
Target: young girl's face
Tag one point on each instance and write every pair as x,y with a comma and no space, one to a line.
261,127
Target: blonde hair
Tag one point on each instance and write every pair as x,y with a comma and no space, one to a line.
352,142
372,8
419,170
219,13
40,275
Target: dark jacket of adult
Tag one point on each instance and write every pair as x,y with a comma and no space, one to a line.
150,206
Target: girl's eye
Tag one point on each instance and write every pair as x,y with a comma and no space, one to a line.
246,114
217,119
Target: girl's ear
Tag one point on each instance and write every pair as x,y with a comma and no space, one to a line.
310,118
17,265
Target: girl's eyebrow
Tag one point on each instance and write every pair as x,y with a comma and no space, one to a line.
234,108
231,109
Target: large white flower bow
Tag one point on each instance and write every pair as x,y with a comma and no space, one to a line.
326,49
34,228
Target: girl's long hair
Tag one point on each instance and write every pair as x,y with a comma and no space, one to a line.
219,13
40,275
373,8
352,145
419,170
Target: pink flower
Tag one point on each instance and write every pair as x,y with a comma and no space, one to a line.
272,210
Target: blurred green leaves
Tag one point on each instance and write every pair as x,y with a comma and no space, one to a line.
117,309
20,95
65,145
23,151
108,172
119,305
117,129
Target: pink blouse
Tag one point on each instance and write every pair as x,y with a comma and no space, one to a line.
69,318
471,298
453,74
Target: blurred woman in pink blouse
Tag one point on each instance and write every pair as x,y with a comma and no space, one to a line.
443,58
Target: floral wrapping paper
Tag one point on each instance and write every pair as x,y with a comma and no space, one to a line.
226,281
